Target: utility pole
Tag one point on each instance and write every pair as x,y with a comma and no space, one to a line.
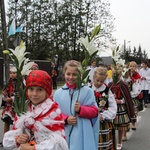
4,38
125,47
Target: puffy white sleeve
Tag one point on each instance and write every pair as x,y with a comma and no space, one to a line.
148,77
136,89
55,142
112,107
9,140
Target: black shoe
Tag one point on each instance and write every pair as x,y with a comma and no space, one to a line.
1,144
134,129
145,105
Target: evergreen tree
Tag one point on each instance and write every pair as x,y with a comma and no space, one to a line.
53,27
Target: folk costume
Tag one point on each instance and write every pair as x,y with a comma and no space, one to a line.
8,113
84,134
125,110
43,123
134,84
108,108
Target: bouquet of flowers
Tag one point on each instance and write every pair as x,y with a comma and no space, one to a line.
23,66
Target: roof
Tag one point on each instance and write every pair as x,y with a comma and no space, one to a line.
106,60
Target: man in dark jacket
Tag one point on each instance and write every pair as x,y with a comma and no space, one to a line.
54,74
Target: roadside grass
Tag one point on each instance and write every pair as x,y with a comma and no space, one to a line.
61,83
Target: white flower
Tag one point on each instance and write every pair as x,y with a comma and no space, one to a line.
121,62
19,52
84,41
102,103
26,60
26,68
103,94
116,57
124,71
90,46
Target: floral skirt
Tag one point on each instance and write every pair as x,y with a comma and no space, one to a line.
136,104
8,114
106,136
121,121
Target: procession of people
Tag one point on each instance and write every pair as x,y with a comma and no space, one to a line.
87,122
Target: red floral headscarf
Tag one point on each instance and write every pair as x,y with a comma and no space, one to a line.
39,78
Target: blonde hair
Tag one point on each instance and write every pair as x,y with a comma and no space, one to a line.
71,63
133,63
102,71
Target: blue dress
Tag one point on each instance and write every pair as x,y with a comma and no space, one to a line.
84,135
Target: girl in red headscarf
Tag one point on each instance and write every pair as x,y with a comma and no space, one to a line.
42,126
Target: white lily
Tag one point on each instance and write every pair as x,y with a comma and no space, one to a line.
83,41
26,60
90,46
23,68
124,71
116,57
121,62
20,53
26,68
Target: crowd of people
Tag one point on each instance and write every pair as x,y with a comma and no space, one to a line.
131,94
72,118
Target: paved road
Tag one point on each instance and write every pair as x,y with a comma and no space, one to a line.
140,139
137,140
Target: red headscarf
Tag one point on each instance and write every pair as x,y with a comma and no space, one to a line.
39,78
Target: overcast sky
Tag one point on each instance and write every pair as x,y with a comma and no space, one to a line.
132,22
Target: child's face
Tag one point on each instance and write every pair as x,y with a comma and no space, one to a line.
132,67
13,75
34,68
144,65
93,63
71,75
36,94
99,80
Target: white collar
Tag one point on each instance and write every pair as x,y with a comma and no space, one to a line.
102,88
